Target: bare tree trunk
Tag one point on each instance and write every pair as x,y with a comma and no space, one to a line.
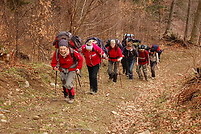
16,17
199,41
196,25
187,21
170,17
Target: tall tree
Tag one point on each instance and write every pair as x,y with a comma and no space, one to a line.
15,6
170,17
196,26
187,21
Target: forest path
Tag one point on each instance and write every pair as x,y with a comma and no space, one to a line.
117,108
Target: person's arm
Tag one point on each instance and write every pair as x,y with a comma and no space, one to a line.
54,62
120,54
137,63
157,58
79,59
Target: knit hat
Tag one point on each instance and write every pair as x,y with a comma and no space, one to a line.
63,42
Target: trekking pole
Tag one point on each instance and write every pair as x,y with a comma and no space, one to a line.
120,75
56,83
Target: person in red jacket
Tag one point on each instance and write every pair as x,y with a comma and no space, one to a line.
142,62
114,57
93,56
68,62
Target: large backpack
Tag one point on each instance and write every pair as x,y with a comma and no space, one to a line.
117,42
155,48
73,40
126,38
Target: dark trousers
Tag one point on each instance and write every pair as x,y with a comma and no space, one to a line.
129,67
93,72
153,66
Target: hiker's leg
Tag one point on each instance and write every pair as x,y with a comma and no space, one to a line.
65,92
131,65
90,71
127,66
144,68
63,77
138,70
93,77
71,93
69,84
153,66
69,79
116,65
110,71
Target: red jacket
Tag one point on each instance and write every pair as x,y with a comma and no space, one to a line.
143,57
114,53
68,61
92,57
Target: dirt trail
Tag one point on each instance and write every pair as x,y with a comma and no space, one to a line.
149,111
115,109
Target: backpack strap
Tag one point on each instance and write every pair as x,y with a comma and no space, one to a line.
74,59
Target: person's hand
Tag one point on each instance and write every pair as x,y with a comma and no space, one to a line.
56,68
77,71
118,60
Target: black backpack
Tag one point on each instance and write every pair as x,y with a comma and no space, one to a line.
73,40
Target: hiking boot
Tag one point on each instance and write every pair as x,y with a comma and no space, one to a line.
146,78
93,93
140,78
130,76
115,78
64,92
70,101
66,99
110,76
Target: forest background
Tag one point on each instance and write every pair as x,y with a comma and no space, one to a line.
33,24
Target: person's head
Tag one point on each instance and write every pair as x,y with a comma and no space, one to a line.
142,47
89,45
63,47
112,43
129,42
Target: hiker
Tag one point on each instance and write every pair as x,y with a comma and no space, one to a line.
114,57
124,44
130,56
93,56
98,42
142,62
117,42
154,60
68,62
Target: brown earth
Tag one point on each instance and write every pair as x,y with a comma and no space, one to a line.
127,107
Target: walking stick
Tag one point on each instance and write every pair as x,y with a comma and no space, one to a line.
120,75
56,84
